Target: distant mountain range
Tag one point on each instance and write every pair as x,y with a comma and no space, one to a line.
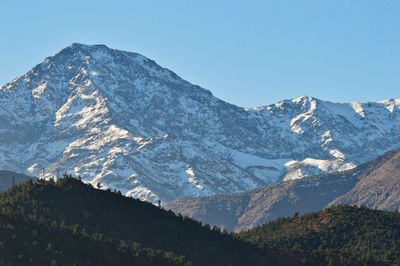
119,119
375,184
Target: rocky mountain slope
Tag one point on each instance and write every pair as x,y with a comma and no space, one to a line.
119,119
379,186
374,184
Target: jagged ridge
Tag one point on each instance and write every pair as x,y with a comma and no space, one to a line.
119,119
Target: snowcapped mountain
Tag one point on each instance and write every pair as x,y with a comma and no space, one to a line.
119,119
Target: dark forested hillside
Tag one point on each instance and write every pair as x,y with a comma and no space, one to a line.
353,230
26,242
69,221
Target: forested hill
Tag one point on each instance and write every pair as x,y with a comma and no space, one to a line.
68,221
360,231
25,242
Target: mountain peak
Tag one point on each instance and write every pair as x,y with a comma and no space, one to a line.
120,119
304,98
81,50
108,59
98,52
86,46
83,47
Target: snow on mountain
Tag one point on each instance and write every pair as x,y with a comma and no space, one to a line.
119,119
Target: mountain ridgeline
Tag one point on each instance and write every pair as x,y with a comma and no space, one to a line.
375,184
119,119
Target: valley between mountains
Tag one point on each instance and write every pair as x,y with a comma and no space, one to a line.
120,120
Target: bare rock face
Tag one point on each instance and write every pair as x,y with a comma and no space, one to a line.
375,184
119,119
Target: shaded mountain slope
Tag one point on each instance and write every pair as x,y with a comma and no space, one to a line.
248,209
379,186
25,242
374,184
8,179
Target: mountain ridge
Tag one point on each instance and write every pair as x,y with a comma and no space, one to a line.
119,119
373,184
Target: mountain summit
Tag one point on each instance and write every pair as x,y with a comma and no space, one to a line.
119,119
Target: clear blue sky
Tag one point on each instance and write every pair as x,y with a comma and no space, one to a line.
249,53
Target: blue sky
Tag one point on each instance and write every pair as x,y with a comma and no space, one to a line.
249,53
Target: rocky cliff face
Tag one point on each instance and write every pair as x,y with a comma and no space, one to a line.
119,119
374,184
